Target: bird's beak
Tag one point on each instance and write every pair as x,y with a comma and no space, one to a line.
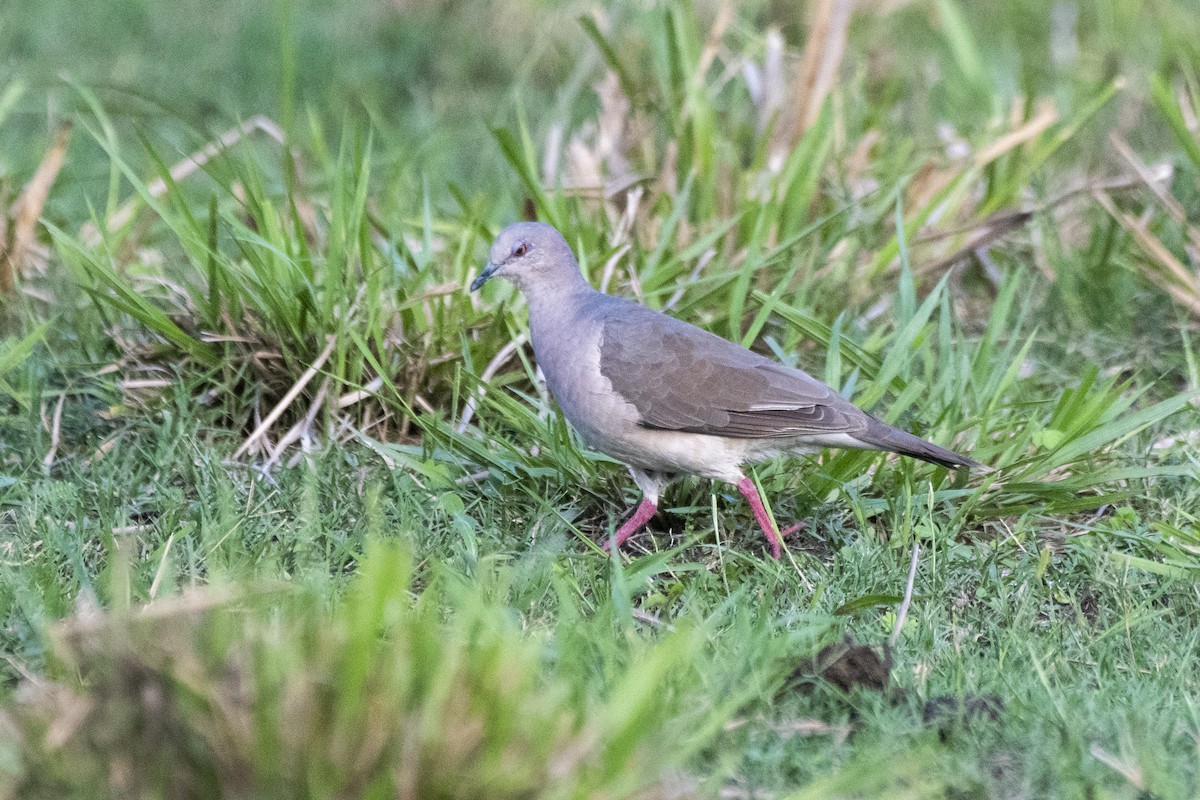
488,271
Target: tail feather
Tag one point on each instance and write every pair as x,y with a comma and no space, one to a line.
885,437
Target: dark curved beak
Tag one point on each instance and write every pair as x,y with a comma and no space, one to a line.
488,271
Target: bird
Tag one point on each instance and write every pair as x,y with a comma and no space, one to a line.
667,398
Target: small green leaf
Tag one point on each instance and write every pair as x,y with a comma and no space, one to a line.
1048,438
867,601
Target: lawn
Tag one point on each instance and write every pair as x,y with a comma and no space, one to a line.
285,510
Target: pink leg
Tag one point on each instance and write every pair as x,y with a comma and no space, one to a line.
790,529
645,510
750,492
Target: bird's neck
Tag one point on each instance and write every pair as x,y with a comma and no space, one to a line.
557,291
554,310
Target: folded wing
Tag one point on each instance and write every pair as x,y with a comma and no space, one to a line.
682,378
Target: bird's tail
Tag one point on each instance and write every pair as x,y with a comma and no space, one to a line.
884,437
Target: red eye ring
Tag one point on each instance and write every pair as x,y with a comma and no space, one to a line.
520,250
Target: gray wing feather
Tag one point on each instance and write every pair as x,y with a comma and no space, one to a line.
682,378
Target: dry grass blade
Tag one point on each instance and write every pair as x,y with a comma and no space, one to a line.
983,233
1131,772
3,227
712,44
499,360
1159,174
358,395
1047,115
287,399
765,84
55,429
705,258
902,614
610,266
28,210
302,430
1171,275
598,157
816,73
805,726
184,168
1153,180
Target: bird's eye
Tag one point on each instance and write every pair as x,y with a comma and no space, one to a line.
520,250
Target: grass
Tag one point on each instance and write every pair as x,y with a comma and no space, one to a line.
284,510
378,695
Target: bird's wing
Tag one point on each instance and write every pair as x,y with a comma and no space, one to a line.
682,378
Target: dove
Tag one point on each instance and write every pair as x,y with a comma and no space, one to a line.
669,399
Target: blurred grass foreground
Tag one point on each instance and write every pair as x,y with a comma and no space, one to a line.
285,511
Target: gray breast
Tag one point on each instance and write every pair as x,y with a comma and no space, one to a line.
566,340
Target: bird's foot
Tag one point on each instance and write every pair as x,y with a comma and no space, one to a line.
790,529
644,512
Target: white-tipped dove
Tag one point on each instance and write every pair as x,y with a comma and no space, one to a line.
667,398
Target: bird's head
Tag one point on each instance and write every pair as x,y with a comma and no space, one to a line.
530,254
